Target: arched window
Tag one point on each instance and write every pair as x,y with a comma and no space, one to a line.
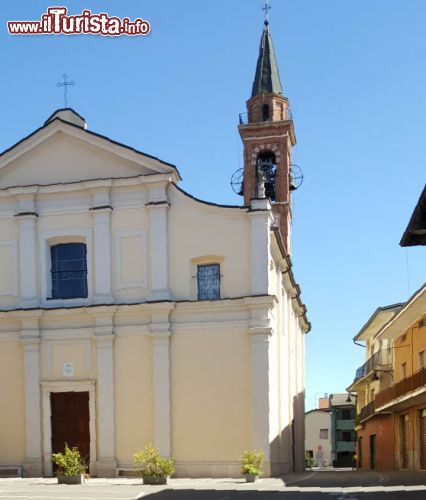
266,161
265,111
69,271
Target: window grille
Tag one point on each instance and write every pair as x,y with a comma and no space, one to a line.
208,281
69,271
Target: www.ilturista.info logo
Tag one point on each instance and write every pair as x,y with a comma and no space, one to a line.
56,21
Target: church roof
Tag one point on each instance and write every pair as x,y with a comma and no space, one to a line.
267,78
69,118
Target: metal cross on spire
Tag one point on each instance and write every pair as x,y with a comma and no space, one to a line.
266,8
65,84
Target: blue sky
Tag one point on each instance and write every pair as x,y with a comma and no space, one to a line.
355,75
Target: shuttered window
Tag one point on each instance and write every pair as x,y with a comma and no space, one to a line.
208,281
69,271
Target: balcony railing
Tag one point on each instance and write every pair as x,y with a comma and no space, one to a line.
244,119
367,410
379,358
405,386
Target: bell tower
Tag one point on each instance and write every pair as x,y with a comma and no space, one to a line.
268,137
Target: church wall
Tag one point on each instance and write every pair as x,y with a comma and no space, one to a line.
220,232
211,402
133,396
12,425
130,253
9,288
68,349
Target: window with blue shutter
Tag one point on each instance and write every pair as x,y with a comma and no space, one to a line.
208,280
69,271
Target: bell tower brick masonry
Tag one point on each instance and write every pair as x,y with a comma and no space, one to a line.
268,138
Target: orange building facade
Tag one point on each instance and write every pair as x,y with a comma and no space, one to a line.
391,388
405,399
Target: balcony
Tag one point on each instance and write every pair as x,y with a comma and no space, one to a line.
345,425
287,115
380,359
367,411
402,388
345,446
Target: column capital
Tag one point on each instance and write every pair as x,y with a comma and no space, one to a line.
101,195
30,343
260,333
160,337
262,204
27,217
102,212
102,315
158,205
104,340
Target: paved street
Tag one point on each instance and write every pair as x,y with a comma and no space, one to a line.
342,485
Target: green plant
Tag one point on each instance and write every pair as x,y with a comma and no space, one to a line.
149,462
309,461
251,462
69,463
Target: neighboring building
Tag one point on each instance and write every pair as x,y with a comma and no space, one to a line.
405,399
318,436
391,384
324,402
415,234
374,431
132,312
343,436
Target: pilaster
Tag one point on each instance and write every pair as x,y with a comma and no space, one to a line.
160,334
260,238
27,221
260,331
30,338
158,214
102,254
104,336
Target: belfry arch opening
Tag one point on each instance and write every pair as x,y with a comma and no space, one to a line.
266,162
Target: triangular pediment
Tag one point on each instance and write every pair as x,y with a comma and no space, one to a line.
61,152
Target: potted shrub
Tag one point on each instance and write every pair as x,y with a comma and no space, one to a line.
251,465
309,461
153,468
70,466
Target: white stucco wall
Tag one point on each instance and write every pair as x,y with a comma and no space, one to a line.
316,420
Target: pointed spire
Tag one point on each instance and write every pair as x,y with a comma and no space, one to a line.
267,78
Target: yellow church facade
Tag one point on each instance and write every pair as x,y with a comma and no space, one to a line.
134,313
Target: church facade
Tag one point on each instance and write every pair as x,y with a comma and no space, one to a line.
134,313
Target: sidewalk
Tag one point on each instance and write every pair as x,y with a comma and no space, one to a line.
340,481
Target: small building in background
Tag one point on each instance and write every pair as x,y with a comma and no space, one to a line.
318,436
343,436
